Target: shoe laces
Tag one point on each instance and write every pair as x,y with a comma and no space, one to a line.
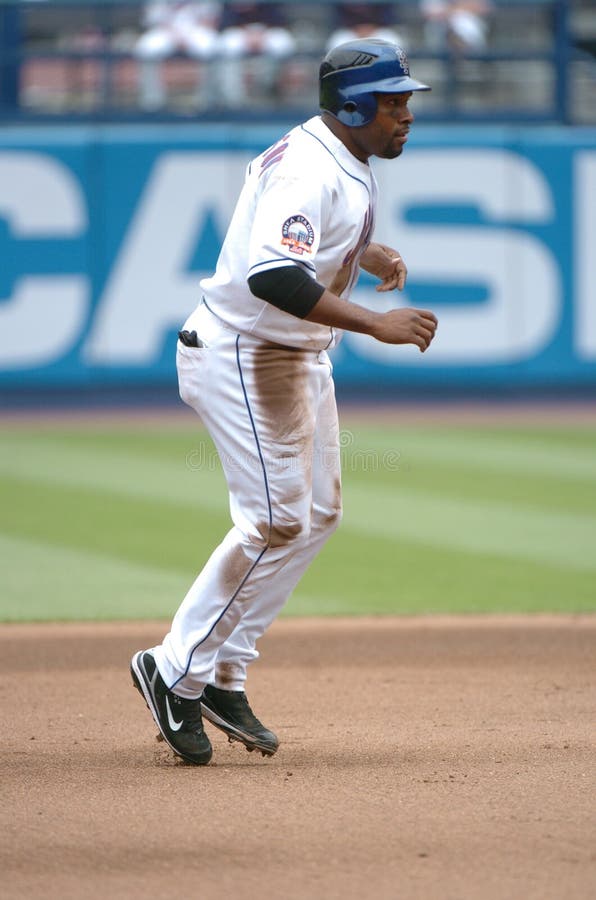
240,700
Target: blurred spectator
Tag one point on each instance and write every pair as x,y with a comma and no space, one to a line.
458,25
254,39
364,20
176,27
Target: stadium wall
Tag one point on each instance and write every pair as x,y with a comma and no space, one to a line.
105,233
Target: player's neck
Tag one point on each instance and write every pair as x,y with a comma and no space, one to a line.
345,136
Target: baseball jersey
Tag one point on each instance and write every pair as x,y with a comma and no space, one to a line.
308,202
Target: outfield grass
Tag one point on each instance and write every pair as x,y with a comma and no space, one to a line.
106,522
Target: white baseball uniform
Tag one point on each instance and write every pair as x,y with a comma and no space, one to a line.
262,385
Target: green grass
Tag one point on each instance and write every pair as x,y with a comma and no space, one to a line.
114,522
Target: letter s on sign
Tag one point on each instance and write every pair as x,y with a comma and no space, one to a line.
519,272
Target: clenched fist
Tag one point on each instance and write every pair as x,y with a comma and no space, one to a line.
406,326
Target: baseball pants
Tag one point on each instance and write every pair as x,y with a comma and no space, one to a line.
271,413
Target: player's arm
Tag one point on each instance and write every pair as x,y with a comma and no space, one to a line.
397,326
292,290
386,264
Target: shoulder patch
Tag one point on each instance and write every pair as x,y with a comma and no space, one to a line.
297,234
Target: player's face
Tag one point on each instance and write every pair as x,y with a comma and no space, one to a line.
387,134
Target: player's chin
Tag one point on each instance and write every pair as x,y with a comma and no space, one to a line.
393,151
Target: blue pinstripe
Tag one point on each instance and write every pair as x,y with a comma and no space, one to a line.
269,514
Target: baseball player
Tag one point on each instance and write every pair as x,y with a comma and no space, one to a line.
253,362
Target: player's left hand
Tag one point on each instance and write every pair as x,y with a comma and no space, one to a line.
387,265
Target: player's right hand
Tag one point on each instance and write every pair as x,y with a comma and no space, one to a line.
406,326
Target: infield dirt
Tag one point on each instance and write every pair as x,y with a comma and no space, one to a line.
419,758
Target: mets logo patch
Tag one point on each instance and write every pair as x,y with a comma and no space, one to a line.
297,234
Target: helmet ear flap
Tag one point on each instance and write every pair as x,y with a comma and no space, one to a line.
349,113
356,112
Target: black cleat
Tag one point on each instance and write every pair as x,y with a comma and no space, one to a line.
230,711
179,720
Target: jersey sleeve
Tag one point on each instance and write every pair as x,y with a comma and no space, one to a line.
289,215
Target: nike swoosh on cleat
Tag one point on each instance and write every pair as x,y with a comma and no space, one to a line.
174,725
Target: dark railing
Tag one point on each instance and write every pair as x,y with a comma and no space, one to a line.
75,61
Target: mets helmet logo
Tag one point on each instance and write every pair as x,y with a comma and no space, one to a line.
403,60
297,234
